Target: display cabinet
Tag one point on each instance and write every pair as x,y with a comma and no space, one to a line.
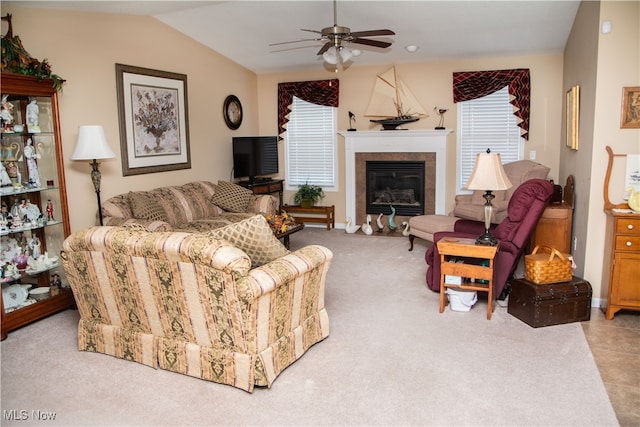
34,217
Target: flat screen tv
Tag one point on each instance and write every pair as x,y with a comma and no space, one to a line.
255,156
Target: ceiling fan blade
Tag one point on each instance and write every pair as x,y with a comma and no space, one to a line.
293,41
324,48
311,31
374,43
373,33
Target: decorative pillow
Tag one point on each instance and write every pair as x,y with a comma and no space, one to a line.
145,206
253,236
232,197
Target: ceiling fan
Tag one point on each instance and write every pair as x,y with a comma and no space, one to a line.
334,50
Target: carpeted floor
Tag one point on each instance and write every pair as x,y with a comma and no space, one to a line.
391,359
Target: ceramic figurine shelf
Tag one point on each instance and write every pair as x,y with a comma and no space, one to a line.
34,220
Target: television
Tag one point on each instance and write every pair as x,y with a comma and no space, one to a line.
255,156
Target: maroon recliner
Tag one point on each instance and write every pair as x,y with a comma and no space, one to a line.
525,208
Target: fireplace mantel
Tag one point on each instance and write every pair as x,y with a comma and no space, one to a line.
398,141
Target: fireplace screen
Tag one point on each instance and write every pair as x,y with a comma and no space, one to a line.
397,183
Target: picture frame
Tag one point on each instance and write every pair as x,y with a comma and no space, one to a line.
154,120
573,117
630,109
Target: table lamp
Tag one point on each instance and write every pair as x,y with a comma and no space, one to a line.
488,175
92,145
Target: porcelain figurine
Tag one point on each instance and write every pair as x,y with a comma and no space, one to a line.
366,227
379,223
351,228
391,221
405,230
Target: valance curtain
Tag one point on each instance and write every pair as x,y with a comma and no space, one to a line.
469,85
320,92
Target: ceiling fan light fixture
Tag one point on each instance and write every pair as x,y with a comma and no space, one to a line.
356,52
330,56
411,48
346,54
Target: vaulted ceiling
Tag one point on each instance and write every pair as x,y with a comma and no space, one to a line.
443,30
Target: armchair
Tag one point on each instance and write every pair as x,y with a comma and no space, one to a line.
471,206
525,208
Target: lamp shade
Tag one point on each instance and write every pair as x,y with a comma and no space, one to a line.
488,173
331,56
91,144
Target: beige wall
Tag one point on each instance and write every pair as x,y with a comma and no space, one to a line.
83,48
431,83
602,64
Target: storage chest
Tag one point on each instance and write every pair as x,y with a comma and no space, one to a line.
550,304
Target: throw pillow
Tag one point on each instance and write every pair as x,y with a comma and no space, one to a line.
145,206
232,197
254,237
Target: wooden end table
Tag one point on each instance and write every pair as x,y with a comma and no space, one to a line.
449,247
285,235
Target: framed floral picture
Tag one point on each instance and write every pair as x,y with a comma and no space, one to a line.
630,114
154,122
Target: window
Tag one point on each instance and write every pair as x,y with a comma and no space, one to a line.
310,146
487,122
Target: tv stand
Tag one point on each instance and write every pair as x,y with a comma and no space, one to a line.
266,186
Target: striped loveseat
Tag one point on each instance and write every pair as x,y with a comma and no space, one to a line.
195,206
196,304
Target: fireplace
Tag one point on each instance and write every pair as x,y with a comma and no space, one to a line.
428,146
395,183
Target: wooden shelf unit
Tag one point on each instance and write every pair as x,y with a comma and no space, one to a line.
324,214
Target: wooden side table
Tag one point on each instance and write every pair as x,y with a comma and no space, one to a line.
328,214
449,247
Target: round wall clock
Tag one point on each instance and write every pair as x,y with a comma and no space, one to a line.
232,111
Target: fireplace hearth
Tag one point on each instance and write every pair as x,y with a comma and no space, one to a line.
395,183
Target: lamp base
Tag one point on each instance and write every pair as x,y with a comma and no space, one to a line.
486,239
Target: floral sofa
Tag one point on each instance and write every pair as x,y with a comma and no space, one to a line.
231,305
196,206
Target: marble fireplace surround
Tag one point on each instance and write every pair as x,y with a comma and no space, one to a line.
361,146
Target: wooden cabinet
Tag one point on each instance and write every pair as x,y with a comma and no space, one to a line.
554,228
34,220
622,260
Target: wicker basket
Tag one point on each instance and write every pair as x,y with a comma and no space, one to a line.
552,267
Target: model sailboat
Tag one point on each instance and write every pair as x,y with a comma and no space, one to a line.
393,100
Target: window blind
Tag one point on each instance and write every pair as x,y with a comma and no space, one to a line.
487,123
310,150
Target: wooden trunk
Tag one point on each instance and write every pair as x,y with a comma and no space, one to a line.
550,304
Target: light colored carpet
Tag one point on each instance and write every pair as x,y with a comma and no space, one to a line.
391,359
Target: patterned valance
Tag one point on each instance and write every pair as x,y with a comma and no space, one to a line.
469,85
320,92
